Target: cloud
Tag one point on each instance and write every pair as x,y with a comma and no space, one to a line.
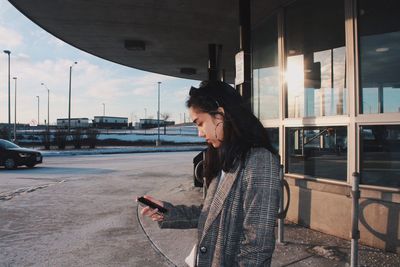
146,85
143,91
124,92
106,89
181,94
53,41
9,38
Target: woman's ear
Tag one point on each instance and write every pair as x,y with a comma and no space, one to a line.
221,111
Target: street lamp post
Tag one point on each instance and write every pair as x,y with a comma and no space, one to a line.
69,97
145,116
8,52
158,116
15,110
38,100
48,106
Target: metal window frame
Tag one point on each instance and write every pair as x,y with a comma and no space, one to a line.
353,120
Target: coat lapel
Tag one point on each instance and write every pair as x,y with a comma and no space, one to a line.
220,195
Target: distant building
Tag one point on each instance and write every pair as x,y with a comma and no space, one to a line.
110,122
75,123
152,123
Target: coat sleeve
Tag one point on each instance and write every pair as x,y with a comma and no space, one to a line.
260,207
180,216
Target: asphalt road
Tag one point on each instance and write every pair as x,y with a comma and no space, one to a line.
80,210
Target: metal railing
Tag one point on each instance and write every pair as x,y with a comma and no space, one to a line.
355,233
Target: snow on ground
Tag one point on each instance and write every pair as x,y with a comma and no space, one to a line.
120,150
152,137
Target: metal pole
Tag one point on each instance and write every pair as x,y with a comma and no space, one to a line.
48,106
281,222
145,122
355,233
15,110
104,109
38,111
48,109
158,116
69,98
8,52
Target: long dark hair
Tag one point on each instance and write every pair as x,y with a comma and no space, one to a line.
242,130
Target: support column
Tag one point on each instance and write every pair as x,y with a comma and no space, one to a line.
215,62
245,46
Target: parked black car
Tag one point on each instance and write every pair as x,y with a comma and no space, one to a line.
12,156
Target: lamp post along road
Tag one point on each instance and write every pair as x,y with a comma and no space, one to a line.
145,116
38,100
69,97
48,106
48,109
8,52
158,116
15,110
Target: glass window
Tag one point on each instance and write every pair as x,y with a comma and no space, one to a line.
379,39
318,151
315,64
380,155
273,134
265,70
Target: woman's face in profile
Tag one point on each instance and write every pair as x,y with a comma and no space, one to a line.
209,126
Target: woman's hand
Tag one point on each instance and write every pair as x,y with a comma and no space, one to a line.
152,213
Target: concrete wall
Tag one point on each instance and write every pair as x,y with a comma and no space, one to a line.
327,208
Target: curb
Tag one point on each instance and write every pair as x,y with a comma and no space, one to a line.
121,151
155,247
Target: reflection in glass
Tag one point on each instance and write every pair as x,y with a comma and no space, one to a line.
379,39
380,155
318,151
273,134
265,70
315,67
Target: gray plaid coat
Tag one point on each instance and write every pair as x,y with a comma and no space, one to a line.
237,219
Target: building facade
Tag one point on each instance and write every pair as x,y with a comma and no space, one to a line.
75,123
152,123
110,122
325,84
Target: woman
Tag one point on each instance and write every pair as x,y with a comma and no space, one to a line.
237,219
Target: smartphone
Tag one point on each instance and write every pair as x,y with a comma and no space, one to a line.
151,204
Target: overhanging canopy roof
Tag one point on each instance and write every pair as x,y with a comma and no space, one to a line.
176,33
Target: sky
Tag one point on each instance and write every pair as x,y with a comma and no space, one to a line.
38,57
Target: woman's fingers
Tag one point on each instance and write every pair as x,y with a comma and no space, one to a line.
146,211
152,213
157,217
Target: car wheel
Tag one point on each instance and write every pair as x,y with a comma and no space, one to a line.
9,164
30,165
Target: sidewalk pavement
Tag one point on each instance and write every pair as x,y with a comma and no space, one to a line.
302,246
